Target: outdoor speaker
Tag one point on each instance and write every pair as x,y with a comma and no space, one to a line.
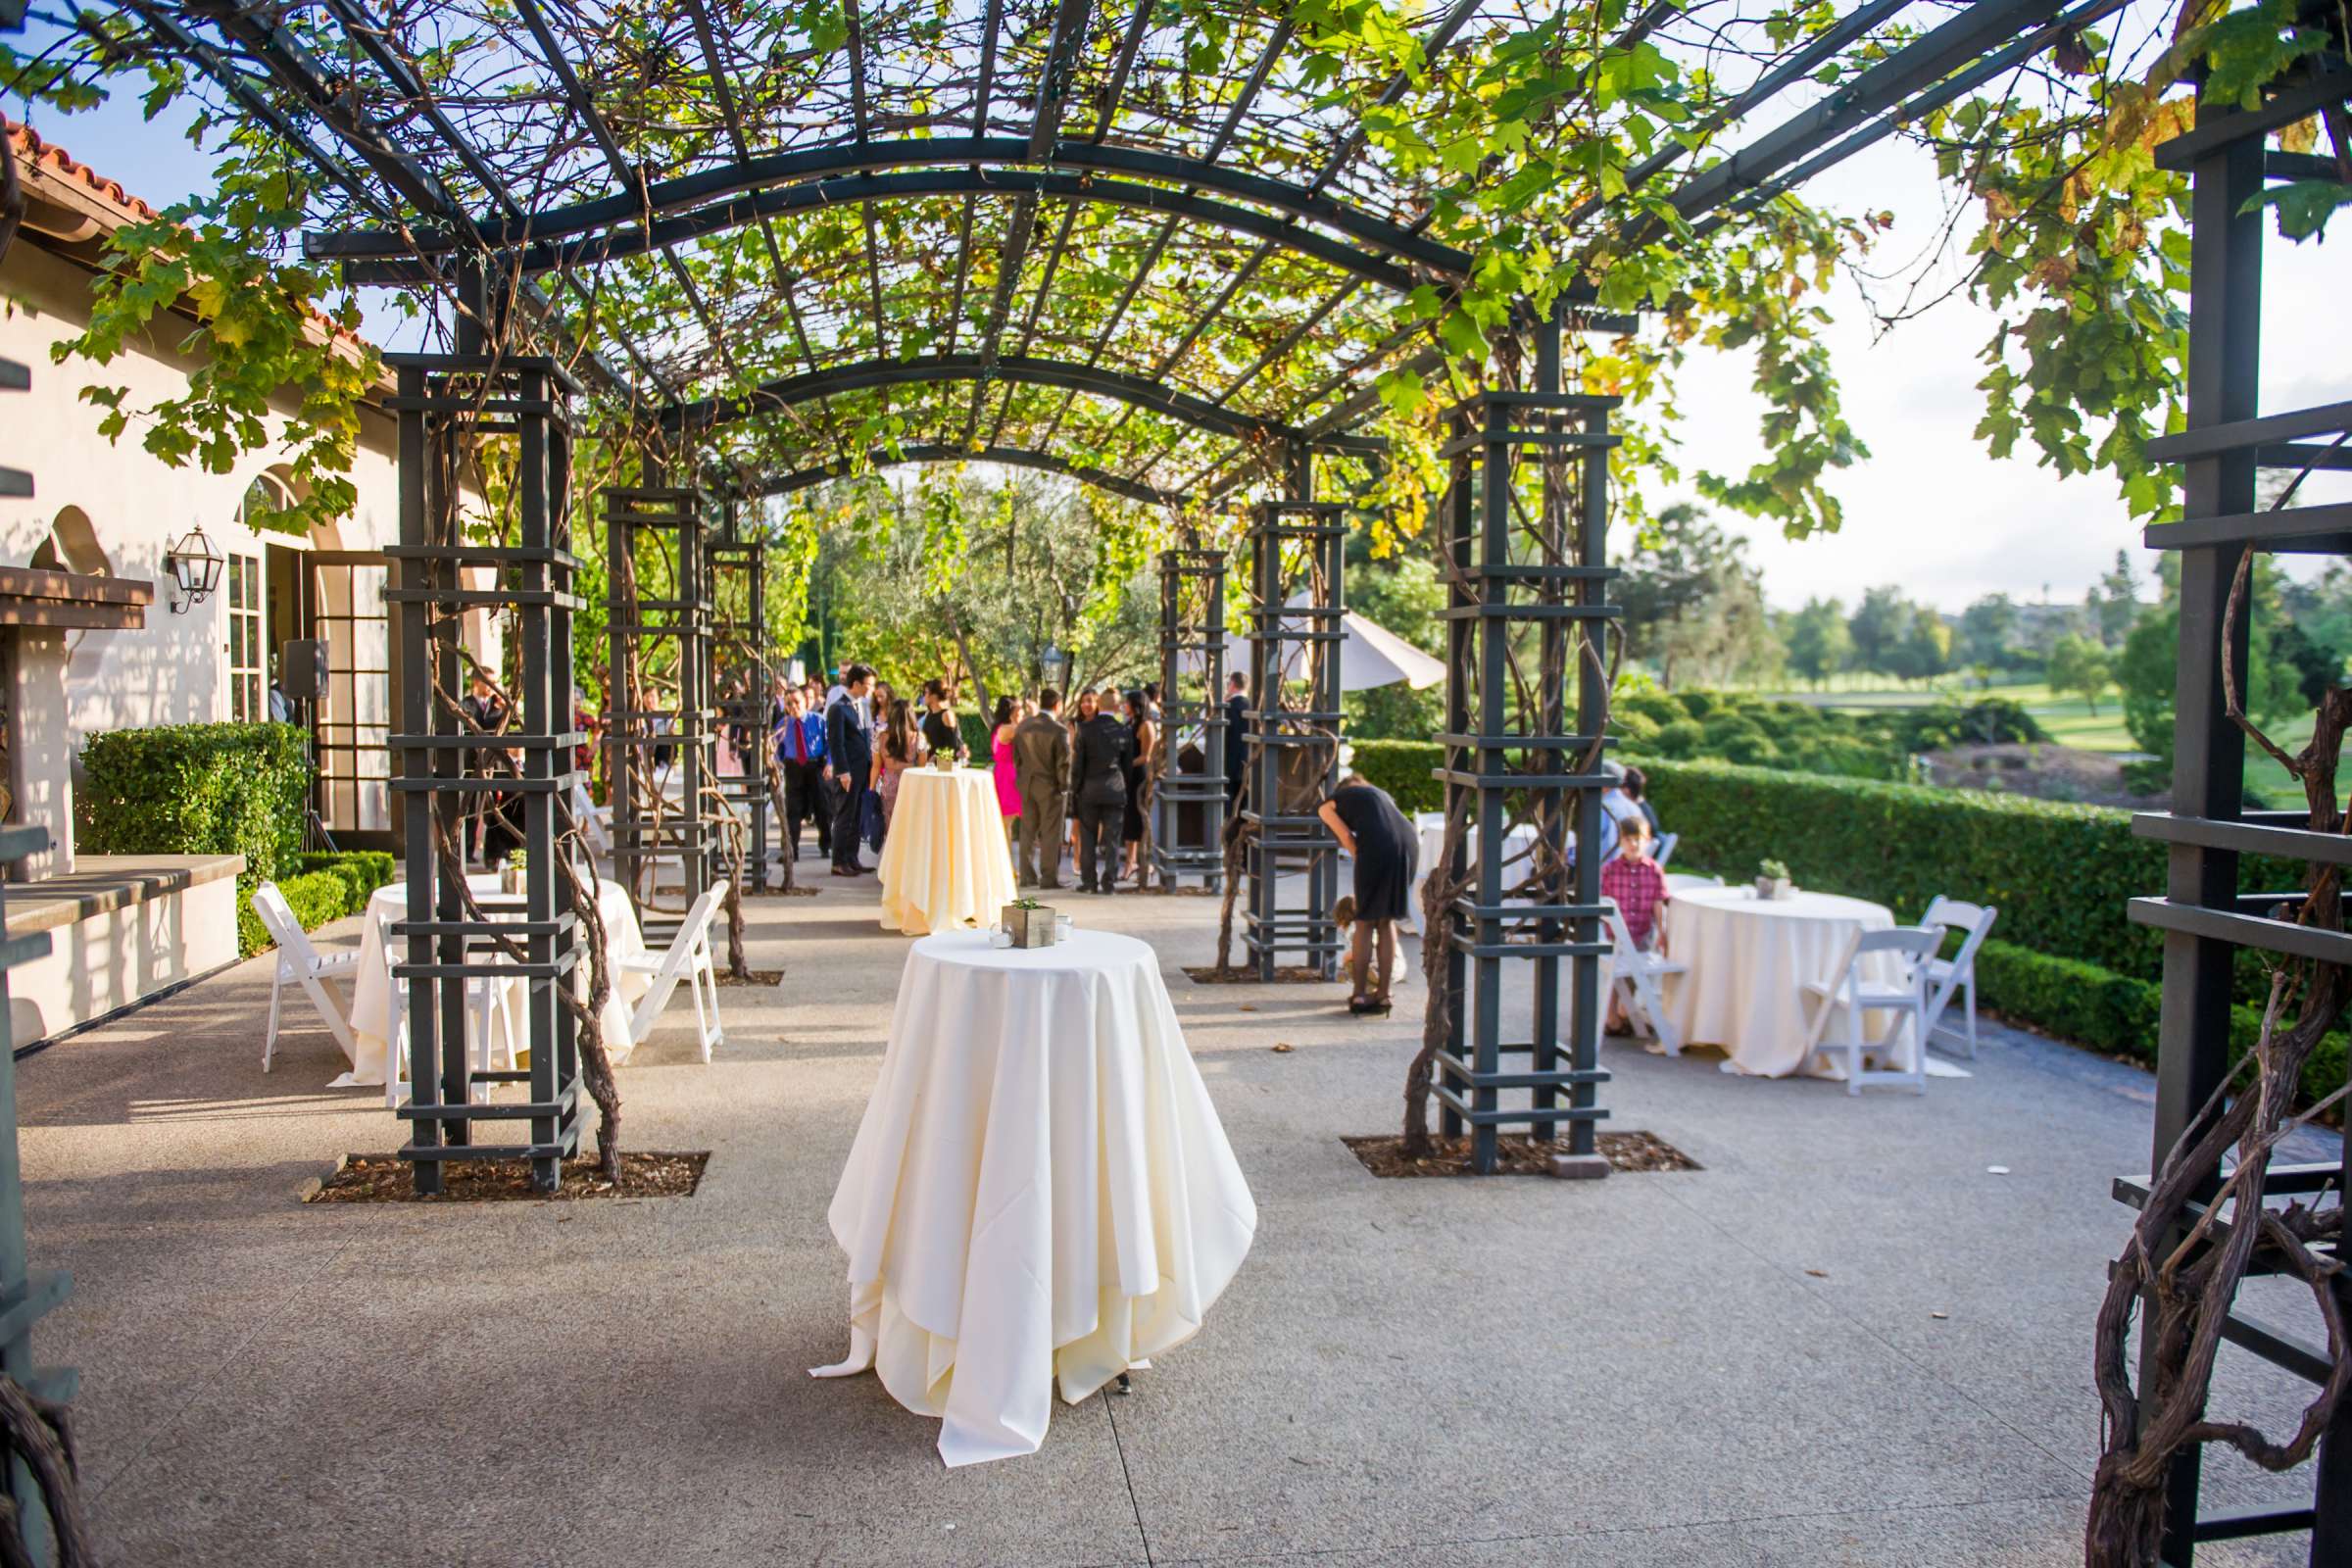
302,669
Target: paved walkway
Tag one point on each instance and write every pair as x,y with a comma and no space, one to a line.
1842,1342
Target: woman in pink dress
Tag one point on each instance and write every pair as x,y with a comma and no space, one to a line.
1009,788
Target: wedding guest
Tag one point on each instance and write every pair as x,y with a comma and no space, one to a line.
1135,827
1639,886
801,755
1087,706
1635,785
902,748
943,731
1364,819
1101,751
486,712
849,764
1001,763
1041,763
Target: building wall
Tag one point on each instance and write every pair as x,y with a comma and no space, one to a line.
177,669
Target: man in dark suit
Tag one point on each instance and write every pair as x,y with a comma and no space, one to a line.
849,764
1237,753
1041,766
1099,753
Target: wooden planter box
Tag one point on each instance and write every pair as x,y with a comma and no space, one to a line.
1030,928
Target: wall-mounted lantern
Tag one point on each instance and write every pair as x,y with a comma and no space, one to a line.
195,566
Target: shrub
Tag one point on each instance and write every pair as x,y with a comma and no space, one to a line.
1700,703
197,789
1750,747
1402,768
1634,729
1658,708
2061,874
2093,1007
321,887
1681,739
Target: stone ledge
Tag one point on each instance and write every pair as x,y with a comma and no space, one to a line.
99,884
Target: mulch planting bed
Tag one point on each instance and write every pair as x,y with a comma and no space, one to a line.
386,1179
1516,1157
1208,974
758,977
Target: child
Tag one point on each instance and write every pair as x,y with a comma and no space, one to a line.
1633,880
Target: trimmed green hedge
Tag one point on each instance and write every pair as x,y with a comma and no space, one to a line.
2107,1012
323,888
198,789
1402,768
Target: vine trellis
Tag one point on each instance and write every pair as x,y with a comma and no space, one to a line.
1184,253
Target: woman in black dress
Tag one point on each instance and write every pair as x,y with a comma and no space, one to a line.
1387,853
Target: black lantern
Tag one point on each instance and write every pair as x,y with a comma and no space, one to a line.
195,566
1053,666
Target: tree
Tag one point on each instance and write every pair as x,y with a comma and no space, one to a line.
1926,649
1403,593
2145,672
2115,604
1989,632
1694,603
1817,639
1876,629
2079,664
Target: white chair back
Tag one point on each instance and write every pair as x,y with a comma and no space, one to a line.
686,957
1666,844
1912,945
278,918
1958,972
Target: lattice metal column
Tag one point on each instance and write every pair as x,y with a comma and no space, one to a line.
446,403
1526,524
2206,916
661,744
1192,648
1294,752
739,681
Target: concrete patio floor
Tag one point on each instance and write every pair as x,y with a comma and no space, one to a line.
1844,1341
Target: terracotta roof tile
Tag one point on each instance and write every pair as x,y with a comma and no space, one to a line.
33,153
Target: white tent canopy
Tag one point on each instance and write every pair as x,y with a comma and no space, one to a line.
1371,656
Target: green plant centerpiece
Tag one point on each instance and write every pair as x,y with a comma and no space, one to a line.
1771,880
1030,923
511,875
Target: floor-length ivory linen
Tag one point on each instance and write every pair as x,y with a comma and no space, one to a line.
371,988
946,862
1038,1189
1749,959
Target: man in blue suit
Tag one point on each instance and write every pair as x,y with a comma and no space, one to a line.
849,764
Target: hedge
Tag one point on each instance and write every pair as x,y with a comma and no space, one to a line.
321,887
2107,1012
198,789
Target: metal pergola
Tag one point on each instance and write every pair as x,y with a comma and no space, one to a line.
872,254
2206,915
1187,834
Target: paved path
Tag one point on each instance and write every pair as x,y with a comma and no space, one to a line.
1842,1342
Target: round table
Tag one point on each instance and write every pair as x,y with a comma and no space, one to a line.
371,988
1039,1190
946,862
1749,959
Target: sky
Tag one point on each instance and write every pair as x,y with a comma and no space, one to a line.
1928,512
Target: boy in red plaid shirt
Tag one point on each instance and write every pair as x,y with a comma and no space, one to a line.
1633,879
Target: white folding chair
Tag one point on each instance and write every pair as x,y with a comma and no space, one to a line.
595,820
1855,994
688,958
485,1019
299,962
1637,976
1666,844
1959,971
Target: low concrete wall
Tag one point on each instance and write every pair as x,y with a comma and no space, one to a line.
121,928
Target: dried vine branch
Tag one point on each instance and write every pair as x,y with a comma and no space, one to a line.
2205,1224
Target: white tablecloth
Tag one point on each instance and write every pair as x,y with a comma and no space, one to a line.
946,862
1518,856
1040,1188
1749,959
371,988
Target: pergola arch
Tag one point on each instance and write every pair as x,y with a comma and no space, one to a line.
714,200
1122,386
924,452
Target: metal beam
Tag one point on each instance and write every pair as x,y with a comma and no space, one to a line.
1120,385
726,197
933,451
